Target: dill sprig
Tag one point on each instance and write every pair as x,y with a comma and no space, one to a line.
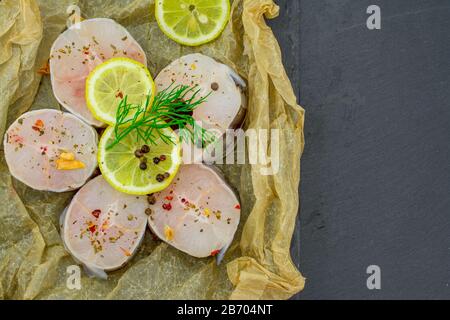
170,109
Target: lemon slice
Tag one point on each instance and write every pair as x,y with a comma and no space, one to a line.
135,168
114,80
192,22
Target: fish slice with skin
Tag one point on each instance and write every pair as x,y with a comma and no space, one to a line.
102,228
36,143
78,50
225,106
198,213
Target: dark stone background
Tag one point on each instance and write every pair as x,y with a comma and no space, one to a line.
375,183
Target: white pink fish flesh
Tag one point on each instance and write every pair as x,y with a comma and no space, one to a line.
198,213
36,140
102,228
78,50
225,106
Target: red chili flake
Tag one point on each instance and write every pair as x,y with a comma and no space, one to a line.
119,95
183,200
238,206
92,228
45,69
38,125
214,253
96,213
169,198
167,206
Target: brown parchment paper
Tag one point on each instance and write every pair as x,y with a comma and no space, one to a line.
33,262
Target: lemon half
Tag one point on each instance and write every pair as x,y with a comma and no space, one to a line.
112,81
121,165
192,22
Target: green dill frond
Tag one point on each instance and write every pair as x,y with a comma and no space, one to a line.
170,109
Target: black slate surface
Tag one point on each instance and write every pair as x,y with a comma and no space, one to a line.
375,183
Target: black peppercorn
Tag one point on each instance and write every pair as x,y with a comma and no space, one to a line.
151,199
160,177
215,86
156,160
145,149
138,153
166,175
143,166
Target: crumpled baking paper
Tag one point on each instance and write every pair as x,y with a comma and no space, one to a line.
33,262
